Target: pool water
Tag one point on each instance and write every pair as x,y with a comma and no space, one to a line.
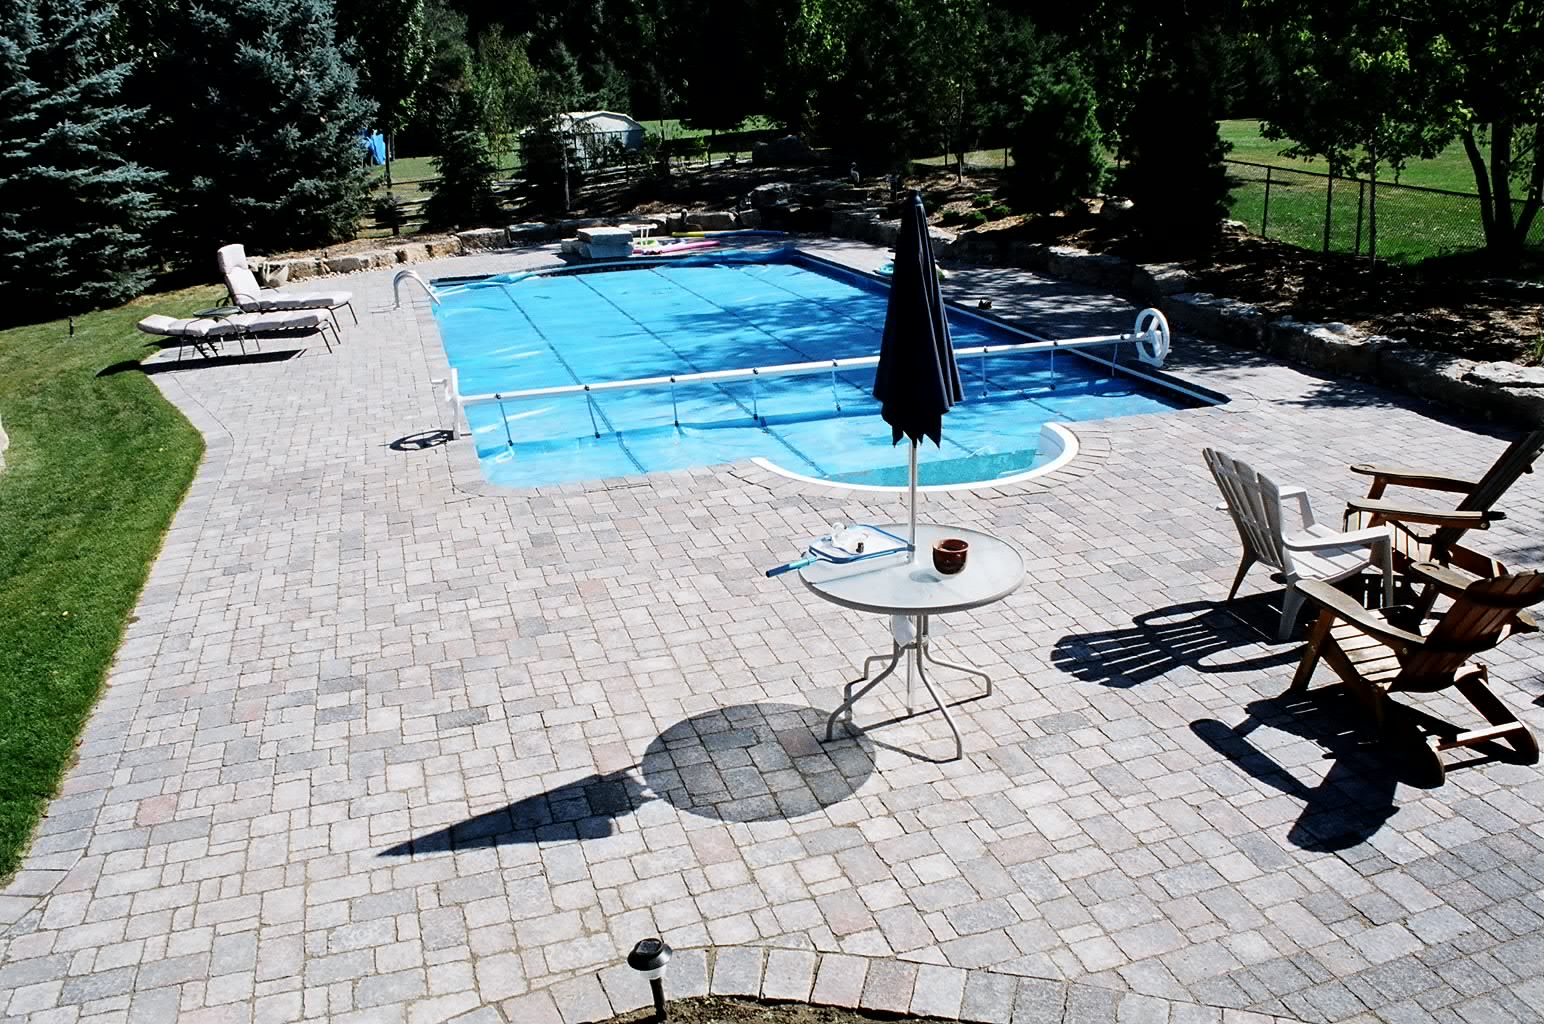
729,311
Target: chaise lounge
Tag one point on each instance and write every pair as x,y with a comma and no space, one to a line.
205,333
251,297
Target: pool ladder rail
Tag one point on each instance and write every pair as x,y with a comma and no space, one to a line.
410,275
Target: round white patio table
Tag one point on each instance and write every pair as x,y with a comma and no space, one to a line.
898,585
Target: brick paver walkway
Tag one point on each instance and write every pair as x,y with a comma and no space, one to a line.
382,745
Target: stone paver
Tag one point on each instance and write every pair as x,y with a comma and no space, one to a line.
384,743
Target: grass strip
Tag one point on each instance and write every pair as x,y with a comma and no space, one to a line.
97,465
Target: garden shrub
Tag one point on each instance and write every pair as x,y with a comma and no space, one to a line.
1176,177
1058,153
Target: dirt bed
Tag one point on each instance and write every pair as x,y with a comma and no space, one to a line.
718,1010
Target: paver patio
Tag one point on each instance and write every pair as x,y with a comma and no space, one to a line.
385,745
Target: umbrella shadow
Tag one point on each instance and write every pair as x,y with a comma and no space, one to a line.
755,762
745,763
1194,634
1356,796
420,441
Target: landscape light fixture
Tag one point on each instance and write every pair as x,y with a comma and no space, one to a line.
649,958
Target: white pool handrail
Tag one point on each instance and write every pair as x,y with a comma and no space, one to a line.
411,275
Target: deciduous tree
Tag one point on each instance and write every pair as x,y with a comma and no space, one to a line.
391,53
1364,84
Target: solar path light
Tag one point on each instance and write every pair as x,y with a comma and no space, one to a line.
649,958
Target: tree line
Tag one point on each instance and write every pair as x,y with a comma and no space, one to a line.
140,133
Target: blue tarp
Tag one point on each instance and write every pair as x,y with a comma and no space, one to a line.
374,144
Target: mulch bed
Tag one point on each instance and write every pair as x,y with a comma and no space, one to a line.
719,1010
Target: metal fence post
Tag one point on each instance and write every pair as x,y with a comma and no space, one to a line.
1265,213
1329,193
1361,197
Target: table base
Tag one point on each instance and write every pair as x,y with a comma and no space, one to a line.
915,651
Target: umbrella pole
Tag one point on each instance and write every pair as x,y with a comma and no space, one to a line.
911,535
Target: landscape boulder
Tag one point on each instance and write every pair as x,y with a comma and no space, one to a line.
482,238
772,194
711,220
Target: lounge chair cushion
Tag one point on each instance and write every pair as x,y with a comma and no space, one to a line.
213,327
238,276
282,320
171,327
271,299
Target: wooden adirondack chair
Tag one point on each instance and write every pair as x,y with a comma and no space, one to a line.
1425,534
1377,653
1312,552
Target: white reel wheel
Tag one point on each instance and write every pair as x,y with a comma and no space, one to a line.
1151,333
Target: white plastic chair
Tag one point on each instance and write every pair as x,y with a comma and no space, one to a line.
1314,552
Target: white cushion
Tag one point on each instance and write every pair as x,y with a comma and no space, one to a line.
281,320
238,276
272,298
171,327
210,327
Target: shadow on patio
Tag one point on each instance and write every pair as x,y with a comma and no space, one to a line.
1196,635
749,762
1352,800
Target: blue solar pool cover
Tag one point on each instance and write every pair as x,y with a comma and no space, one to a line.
736,311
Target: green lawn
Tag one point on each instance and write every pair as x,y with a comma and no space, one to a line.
98,463
1449,170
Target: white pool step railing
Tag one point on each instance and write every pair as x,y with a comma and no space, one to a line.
1150,334
410,275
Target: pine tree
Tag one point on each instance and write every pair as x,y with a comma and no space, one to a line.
257,121
463,195
72,209
1057,155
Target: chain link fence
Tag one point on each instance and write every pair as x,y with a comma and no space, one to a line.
1334,214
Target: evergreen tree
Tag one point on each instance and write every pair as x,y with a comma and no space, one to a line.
257,121
1176,179
1058,156
463,196
72,209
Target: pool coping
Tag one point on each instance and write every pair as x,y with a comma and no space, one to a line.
1087,440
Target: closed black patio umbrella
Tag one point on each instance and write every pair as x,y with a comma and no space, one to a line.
916,381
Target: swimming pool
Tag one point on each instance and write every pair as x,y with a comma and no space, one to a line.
585,326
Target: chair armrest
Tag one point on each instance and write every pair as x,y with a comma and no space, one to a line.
1406,477
1304,507
1356,538
1449,582
1475,563
1390,512
1345,607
